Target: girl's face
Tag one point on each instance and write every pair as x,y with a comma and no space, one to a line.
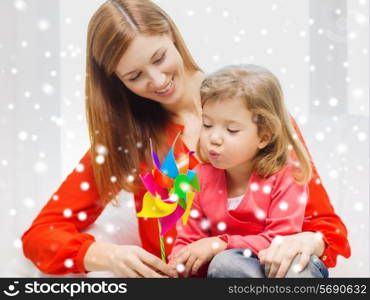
229,137
153,68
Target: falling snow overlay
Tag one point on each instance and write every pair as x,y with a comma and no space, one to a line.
42,115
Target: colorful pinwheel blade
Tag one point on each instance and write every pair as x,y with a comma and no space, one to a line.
170,220
195,183
153,187
189,202
155,208
169,166
162,180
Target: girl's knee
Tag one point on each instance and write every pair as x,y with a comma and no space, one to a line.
233,264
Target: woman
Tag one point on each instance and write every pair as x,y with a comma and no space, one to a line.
142,82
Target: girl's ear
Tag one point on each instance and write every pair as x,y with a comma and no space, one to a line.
264,140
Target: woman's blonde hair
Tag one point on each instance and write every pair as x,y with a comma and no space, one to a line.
263,97
117,119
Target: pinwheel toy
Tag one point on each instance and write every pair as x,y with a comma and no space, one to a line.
170,192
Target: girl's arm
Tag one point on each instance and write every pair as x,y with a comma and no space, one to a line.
285,215
195,229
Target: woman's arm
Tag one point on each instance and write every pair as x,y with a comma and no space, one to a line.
321,218
55,244
324,233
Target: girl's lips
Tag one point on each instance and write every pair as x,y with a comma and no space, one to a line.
213,154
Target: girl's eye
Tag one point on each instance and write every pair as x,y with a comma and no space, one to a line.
233,131
207,126
136,77
160,59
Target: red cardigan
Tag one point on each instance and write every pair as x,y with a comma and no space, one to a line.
55,236
270,207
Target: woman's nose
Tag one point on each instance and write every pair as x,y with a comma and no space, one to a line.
157,80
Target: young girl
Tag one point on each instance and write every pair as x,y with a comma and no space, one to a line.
253,186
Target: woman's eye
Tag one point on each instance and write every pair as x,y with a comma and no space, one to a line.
136,77
207,126
232,131
160,59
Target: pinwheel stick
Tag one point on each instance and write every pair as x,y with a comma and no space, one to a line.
161,242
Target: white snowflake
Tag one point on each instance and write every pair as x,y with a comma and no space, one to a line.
247,253
80,168
320,136
221,226
169,240
278,239
180,268
20,5
204,224
130,178
215,245
358,206
113,179
82,216
48,89
17,243
194,213
68,263
99,159
283,205
85,186
28,202
297,268
43,25
174,197
333,101
109,228
361,136
267,189
260,214
67,213
40,167
254,187
333,174
23,135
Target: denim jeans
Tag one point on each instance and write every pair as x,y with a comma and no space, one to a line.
233,264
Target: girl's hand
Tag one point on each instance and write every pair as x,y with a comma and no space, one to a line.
126,261
196,254
279,256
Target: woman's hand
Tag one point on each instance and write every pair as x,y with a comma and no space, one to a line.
196,254
125,261
279,256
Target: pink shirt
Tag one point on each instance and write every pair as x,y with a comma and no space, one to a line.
270,207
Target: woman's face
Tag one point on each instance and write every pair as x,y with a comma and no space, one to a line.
153,68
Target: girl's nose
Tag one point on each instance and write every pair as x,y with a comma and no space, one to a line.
216,139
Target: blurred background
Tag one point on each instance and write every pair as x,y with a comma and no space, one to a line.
318,50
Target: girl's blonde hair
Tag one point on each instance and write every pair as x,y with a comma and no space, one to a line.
118,119
263,97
